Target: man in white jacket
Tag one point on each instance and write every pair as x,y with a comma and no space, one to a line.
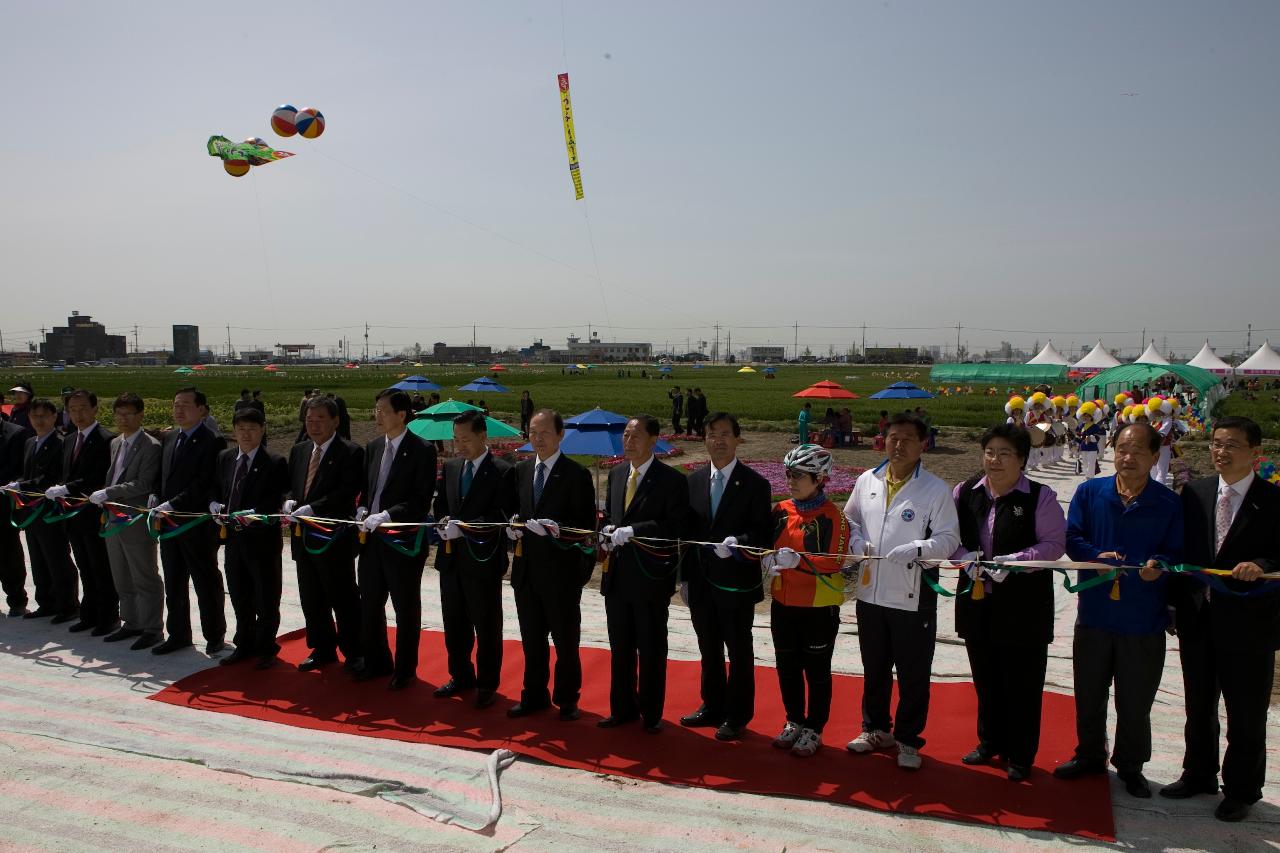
900,513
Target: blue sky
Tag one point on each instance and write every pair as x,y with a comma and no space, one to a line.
1025,169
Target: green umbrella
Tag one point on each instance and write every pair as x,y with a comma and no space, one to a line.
436,423
184,370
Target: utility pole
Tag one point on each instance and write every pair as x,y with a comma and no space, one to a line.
1248,339
864,341
230,354
795,348
715,352
135,340
957,342
729,342
1142,345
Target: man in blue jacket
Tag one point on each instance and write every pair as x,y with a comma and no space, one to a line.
1128,519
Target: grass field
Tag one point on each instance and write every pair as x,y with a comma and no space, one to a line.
759,402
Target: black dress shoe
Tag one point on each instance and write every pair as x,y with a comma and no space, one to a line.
450,688
214,646
1136,784
485,698
265,662
366,673
653,728
981,755
1185,787
701,719
104,630
235,657
351,664
17,612
401,681
728,731
315,662
79,626
121,634
67,617
1231,810
1075,768
38,613
1017,772
171,645
144,641
569,713
524,709
612,722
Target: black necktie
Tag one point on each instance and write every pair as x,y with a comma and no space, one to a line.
237,481
539,480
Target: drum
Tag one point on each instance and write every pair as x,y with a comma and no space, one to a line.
1059,429
1040,434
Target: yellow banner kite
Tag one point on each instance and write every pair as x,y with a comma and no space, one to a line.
570,139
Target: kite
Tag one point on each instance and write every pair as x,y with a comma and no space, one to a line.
237,157
570,138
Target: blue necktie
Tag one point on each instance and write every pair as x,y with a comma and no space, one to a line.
539,480
468,474
717,491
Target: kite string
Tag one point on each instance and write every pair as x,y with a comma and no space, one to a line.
266,265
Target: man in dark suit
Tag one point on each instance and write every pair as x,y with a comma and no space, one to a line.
646,498
326,477
476,487
1228,640
86,454
51,568
188,482
548,577
252,479
13,562
400,477
731,504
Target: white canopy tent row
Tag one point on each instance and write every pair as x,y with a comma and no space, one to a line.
1264,362
1049,355
1208,359
1097,359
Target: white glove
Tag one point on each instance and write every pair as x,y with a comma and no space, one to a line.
769,562
725,549
372,522
152,500
786,558
12,487
451,530
289,507
55,492
514,533
164,507
606,538
543,527
301,512
999,575
903,553
684,592
622,535
216,508
99,497
361,512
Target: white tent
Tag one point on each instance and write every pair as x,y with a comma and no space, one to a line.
1209,360
1097,359
1264,362
1151,356
1049,355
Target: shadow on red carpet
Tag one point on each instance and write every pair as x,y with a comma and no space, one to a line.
329,700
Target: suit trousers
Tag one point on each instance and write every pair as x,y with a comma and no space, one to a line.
1134,663
1243,676
13,563
384,573
192,558
1009,680
804,639
327,591
892,639
637,635
99,604
52,571
136,575
471,608
725,625
549,608
253,564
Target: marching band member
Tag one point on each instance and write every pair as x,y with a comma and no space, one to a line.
1089,439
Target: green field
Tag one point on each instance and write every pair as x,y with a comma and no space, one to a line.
759,402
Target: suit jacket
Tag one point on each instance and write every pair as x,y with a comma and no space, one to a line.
410,482
745,511
88,472
42,469
188,478
660,508
141,475
337,486
13,448
491,498
262,490
1254,536
568,498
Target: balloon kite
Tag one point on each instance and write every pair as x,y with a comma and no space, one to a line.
237,157
309,122
283,120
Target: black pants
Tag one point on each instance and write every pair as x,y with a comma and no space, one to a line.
803,641
327,592
546,608
99,604
725,625
382,573
13,561
892,639
1134,662
1009,679
1242,674
675,421
253,561
471,607
192,557
637,634
52,571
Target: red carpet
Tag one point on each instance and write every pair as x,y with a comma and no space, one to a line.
944,788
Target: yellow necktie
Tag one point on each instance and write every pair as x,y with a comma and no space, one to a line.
632,482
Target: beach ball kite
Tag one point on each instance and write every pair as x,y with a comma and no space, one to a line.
282,120
236,168
309,122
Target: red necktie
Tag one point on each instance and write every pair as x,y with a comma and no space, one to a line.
75,454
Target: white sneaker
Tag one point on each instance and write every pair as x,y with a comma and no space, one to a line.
908,757
807,744
787,738
870,742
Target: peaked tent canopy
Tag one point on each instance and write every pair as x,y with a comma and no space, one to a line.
1097,359
1264,362
1000,374
1208,359
901,391
1126,377
1151,356
1049,355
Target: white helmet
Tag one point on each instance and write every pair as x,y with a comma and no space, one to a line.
810,458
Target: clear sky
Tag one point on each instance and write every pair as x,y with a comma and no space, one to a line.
1024,169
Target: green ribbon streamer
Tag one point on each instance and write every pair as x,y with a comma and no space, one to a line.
408,552
30,520
329,543
63,516
116,528
177,531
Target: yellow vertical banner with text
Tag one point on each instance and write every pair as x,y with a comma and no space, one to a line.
570,138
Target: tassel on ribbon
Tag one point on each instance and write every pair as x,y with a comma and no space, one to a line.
979,590
520,547
1115,589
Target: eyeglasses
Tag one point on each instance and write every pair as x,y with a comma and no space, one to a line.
796,475
999,455
1228,446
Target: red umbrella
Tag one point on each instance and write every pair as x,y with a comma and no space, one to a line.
827,390
495,368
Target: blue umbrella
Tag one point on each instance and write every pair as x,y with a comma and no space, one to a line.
699,366
664,369
484,383
596,433
416,383
770,370
901,391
